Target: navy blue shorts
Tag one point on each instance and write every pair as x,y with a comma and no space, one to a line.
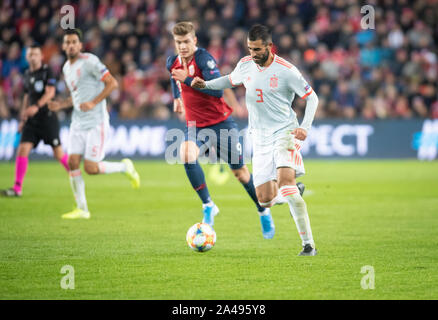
222,138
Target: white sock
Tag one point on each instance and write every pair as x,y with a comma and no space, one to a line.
209,204
279,199
298,210
265,212
78,187
111,167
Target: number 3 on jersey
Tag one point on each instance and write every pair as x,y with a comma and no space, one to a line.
260,95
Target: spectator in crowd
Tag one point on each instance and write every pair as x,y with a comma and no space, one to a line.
387,72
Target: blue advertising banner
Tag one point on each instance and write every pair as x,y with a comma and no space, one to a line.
386,139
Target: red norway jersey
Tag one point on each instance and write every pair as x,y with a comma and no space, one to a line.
205,107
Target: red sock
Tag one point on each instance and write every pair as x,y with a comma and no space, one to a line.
64,162
20,172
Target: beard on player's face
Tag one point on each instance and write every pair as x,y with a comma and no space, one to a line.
72,46
261,59
73,53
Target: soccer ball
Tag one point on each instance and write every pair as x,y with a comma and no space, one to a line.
201,237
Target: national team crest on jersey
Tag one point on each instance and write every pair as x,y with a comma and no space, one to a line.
78,72
191,70
274,82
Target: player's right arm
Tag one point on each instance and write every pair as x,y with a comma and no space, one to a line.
231,80
178,105
215,84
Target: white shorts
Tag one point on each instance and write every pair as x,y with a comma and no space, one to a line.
270,155
90,142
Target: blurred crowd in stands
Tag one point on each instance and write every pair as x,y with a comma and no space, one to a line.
383,73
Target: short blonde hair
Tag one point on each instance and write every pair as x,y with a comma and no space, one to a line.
183,28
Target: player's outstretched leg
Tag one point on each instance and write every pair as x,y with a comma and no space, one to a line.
298,210
125,166
189,156
197,179
131,173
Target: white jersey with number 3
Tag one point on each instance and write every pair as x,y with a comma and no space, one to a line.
84,80
270,91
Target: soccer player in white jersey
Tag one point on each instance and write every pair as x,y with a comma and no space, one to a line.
271,84
89,82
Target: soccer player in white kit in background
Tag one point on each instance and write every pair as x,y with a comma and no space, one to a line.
271,84
89,82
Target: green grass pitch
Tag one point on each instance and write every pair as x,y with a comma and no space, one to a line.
382,214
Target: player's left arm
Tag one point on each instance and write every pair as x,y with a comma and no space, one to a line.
110,85
309,114
101,72
298,84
